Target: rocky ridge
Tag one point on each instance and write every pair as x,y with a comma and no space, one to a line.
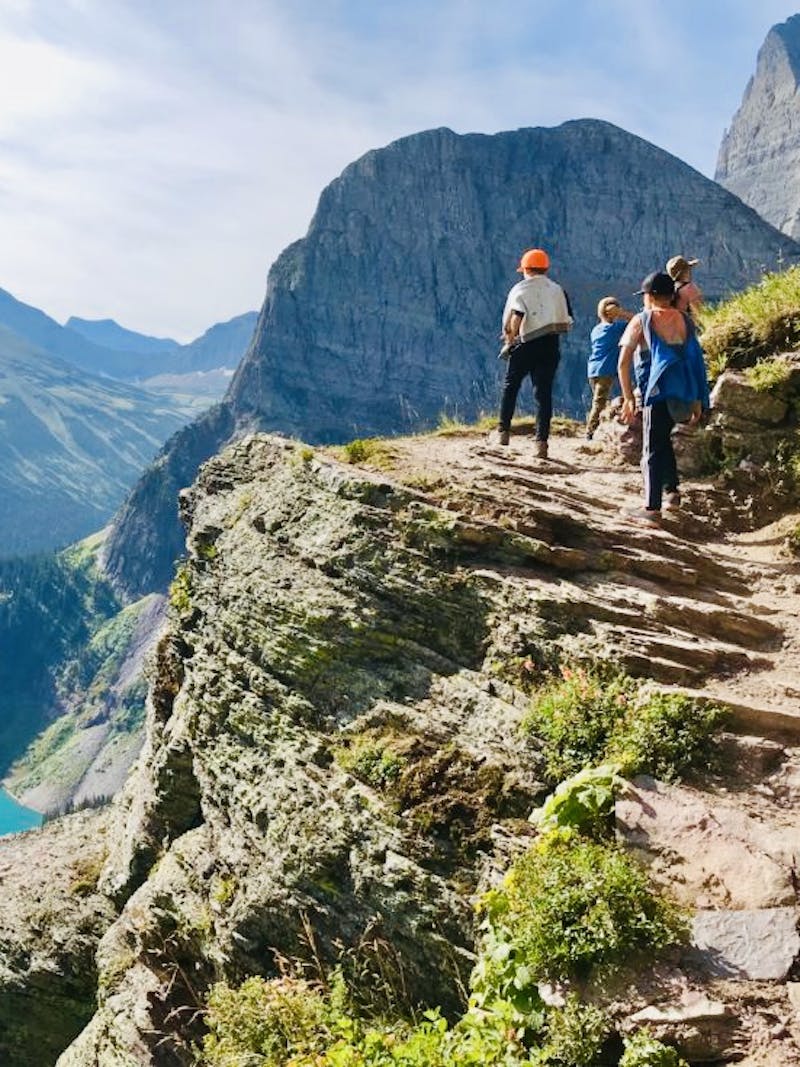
324,604
384,317
760,152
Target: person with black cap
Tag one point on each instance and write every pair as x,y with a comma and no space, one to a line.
675,390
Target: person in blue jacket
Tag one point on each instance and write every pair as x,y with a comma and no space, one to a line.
602,367
676,388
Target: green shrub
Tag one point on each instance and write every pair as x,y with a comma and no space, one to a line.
574,716
567,906
575,1036
768,374
264,1022
793,540
642,1050
180,591
370,450
585,718
665,735
371,758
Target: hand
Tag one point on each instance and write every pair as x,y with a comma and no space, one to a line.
628,411
697,412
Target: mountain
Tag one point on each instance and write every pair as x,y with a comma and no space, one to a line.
759,159
71,445
37,328
109,334
222,345
386,314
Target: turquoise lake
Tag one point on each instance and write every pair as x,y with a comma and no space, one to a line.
14,817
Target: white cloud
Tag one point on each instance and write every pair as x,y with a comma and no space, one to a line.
156,157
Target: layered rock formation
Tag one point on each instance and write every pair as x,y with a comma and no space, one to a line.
759,159
327,611
385,315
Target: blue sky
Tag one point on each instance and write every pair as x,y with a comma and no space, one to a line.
156,155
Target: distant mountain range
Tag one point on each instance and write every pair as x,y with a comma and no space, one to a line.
71,445
385,316
75,431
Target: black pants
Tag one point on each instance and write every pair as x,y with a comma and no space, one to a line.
659,469
539,358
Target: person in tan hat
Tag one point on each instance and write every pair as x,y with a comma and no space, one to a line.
602,365
688,296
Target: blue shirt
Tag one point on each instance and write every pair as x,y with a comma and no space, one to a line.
605,338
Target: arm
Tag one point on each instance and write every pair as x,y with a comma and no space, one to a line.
626,381
628,344
511,327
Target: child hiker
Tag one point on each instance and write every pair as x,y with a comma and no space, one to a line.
602,367
688,296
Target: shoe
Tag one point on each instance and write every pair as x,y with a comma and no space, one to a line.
589,435
541,449
503,437
646,516
672,501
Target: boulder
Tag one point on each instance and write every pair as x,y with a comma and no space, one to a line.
734,395
702,1029
753,945
711,856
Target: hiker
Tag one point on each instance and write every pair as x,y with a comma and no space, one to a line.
537,310
602,366
688,296
676,389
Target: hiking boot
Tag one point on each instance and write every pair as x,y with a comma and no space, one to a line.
672,500
503,437
645,516
541,449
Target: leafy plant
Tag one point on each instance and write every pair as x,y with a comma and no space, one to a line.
584,802
642,1050
372,759
793,540
180,590
575,1036
567,906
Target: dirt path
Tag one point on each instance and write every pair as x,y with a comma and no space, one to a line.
684,604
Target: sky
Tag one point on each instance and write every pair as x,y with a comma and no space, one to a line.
157,155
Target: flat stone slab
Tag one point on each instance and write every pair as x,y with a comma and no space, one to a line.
711,855
758,945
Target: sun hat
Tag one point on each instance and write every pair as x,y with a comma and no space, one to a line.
678,264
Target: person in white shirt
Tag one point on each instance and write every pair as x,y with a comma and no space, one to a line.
537,311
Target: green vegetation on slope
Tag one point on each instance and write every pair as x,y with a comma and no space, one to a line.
752,325
586,718
49,608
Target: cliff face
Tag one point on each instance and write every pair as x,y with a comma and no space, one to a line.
333,755
386,314
759,158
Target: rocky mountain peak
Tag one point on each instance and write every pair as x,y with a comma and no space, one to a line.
759,156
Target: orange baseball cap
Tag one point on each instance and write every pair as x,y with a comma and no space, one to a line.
533,259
